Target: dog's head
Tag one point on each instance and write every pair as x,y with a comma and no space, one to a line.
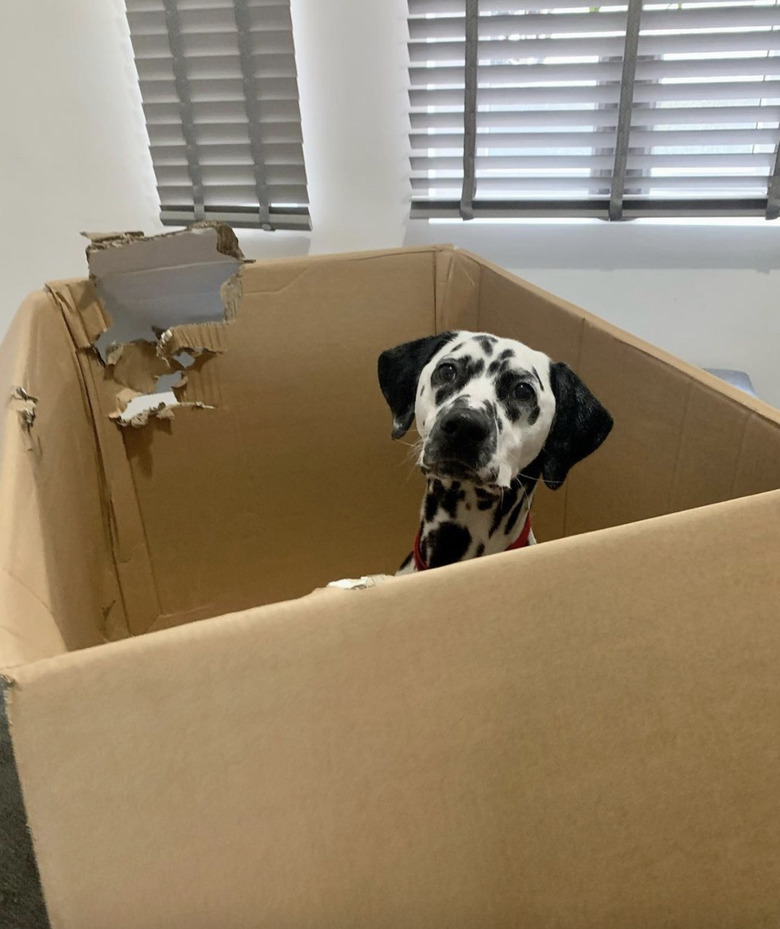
487,408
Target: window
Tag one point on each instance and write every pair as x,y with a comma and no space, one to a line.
533,108
220,96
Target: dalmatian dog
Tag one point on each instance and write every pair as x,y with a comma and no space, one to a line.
494,417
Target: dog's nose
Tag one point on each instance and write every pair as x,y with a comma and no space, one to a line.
471,426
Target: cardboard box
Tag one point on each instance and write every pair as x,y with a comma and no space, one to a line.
580,734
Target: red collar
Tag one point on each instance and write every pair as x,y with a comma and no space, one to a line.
520,542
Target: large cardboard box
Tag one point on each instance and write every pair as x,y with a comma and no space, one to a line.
581,734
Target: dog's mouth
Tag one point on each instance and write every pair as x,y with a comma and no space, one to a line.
457,470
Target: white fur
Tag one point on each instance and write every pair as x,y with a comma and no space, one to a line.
518,443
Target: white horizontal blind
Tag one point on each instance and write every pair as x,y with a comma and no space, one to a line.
220,96
620,110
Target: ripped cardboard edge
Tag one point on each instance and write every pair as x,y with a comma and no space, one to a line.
25,406
140,410
163,304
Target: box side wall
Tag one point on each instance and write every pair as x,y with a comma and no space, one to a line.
681,439
57,576
556,739
280,485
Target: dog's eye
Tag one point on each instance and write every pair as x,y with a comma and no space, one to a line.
447,372
523,392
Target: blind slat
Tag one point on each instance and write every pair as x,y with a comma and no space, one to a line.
221,91
656,70
604,46
282,217
759,162
592,20
419,8
238,194
176,175
589,140
498,98
734,117
214,114
220,133
143,6
519,187
212,45
211,21
235,153
218,67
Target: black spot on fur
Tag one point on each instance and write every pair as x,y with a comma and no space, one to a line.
447,544
497,367
515,409
433,499
485,499
507,353
444,393
504,506
538,379
515,514
467,369
451,499
480,549
487,342
474,367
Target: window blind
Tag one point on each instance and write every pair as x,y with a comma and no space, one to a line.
220,97
527,107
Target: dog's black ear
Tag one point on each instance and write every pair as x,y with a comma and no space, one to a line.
581,424
399,371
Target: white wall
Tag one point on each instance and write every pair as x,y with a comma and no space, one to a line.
74,156
707,292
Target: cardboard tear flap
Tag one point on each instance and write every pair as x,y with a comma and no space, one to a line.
140,409
24,404
161,297
136,365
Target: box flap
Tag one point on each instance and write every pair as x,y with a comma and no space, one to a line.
551,737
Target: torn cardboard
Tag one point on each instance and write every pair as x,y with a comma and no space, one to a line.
583,733
148,287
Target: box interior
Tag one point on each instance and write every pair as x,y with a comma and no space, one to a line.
282,475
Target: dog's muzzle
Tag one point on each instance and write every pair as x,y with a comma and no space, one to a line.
461,443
